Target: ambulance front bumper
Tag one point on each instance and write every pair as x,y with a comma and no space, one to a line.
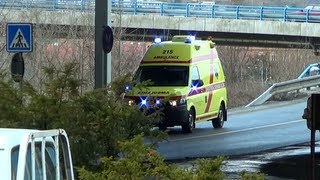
173,116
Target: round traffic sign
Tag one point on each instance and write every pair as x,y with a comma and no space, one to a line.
17,67
107,39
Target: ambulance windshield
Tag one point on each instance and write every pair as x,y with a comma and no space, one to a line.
163,75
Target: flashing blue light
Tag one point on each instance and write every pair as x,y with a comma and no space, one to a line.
144,102
194,88
157,40
127,88
158,102
192,38
189,39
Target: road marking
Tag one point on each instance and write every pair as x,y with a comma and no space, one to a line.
236,131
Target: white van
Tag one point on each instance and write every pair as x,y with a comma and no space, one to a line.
32,154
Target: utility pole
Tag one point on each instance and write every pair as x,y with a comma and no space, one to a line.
102,60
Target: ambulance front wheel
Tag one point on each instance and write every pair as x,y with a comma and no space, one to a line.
219,121
188,127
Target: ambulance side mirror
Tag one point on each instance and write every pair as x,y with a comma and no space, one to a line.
312,112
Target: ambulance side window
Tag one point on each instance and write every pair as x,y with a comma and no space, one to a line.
195,73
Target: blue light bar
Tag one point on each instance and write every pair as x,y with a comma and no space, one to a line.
127,88
157,40
189,39
158,102
144,102
192,38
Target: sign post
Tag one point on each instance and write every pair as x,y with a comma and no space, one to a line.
312,115
102,57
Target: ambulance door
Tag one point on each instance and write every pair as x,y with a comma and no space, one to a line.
218,91
197,95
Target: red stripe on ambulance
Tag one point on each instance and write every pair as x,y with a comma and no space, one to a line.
211,81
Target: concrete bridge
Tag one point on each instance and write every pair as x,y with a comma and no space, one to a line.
224,31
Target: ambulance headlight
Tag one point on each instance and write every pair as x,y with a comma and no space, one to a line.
131,102
178,102
173,103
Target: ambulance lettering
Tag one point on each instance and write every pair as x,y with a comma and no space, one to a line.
166,57
153,92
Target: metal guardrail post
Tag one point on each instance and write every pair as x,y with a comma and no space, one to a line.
285,14
237,12
187,10
135,8
213,11
82,5
261,13
161,9
54,4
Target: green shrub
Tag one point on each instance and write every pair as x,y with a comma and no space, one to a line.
252,176
140,161
95,120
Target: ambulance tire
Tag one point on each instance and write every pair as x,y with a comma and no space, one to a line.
188,127
219,121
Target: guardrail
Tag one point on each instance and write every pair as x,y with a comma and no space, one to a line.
286,86
175,9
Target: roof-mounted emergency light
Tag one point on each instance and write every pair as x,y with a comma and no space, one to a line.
157,40
189,39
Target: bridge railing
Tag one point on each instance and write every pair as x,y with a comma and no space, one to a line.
175,9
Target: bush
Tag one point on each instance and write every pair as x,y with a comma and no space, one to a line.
95,120
252,176
141,161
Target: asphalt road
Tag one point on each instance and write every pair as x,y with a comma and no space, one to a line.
246,131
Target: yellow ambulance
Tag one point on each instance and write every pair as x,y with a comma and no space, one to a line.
187,83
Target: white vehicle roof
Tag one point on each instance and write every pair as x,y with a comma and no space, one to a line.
12,137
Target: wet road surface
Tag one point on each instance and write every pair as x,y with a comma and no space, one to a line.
287,163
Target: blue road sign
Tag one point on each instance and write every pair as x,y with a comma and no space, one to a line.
19,37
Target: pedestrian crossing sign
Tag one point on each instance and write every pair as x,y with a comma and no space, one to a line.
19,37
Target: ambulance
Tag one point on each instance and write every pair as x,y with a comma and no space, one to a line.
186,83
